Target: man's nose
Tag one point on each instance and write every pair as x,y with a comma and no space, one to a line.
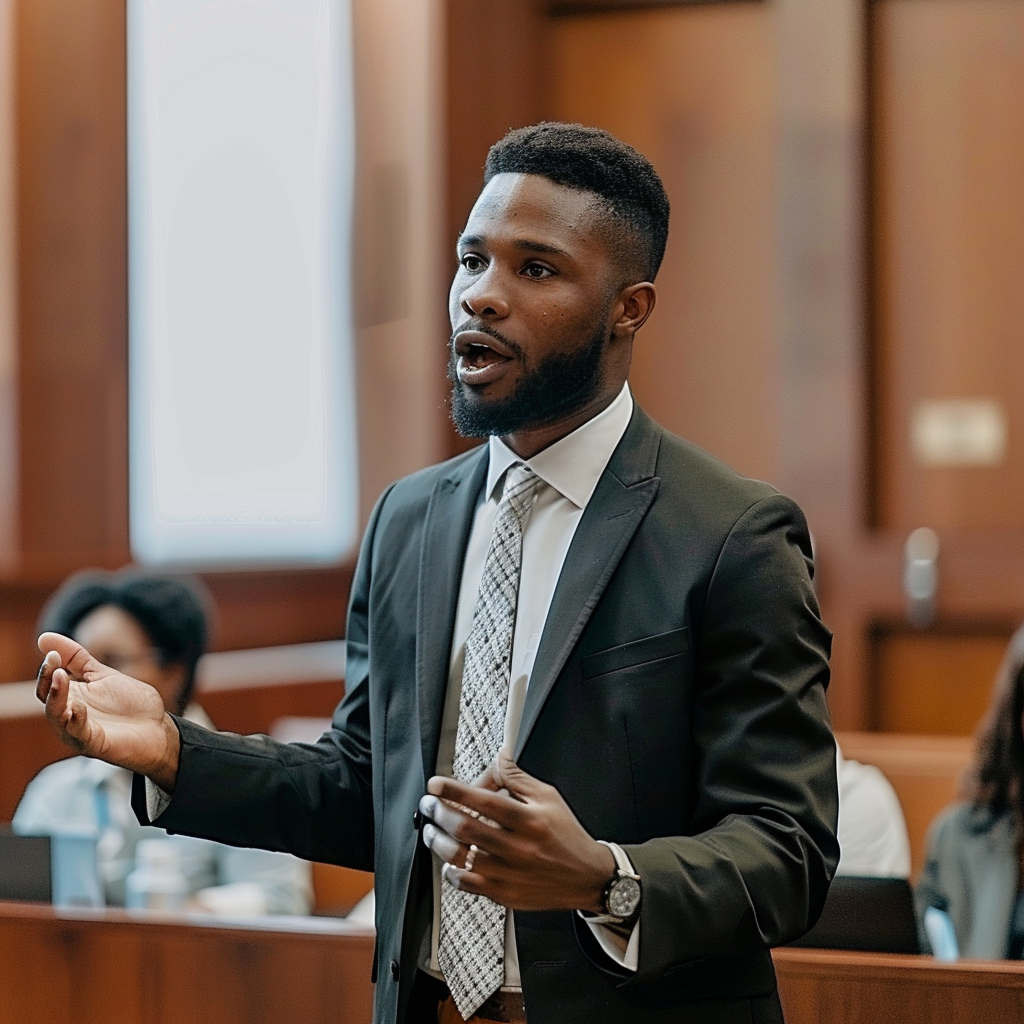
485,298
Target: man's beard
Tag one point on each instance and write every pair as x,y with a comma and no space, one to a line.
558,386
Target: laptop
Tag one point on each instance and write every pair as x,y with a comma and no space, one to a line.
874,915
24,867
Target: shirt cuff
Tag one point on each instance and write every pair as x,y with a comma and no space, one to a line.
623,949
157,800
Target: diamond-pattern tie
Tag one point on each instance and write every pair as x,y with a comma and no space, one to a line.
471,947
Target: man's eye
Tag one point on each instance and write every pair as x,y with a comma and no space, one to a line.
472,263
537,271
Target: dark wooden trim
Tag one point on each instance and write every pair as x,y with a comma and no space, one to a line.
563,8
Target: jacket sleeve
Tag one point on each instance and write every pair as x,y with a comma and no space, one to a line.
756,867
313,800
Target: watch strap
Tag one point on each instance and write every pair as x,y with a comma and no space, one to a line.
623,867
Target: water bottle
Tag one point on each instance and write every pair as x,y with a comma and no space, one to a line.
158,882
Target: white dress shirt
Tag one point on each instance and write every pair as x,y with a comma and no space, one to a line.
872,831
568,471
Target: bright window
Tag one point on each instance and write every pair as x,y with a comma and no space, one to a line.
240,174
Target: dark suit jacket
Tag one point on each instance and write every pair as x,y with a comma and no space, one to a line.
677,702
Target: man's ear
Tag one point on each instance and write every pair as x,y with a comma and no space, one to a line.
636,301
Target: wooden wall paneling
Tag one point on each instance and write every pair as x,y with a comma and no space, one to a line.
705,365
935,681
497,73
948,83
270,607
944,82
820,205
8,289
72,259
400,280
248,711
757,349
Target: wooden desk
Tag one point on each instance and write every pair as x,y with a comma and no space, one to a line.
95,967
823,986
100,967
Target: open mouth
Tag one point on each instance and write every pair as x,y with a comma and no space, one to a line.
481,358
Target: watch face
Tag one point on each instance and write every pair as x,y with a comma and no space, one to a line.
623,897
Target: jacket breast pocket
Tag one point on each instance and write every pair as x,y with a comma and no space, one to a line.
637,652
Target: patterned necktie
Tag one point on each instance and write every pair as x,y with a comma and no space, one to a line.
471,947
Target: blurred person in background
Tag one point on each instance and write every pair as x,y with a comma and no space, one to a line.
154,628
873,837
973,867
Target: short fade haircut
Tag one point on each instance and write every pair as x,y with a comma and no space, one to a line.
172,612
593,160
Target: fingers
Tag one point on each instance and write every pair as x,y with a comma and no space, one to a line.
73,656
499,807
56,696
45,676
510,776
464,879
462,867
465,828
447,848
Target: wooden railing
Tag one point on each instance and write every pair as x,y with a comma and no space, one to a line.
824,986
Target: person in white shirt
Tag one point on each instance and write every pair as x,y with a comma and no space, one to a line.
873,837
155,628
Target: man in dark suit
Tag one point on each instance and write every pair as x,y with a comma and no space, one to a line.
585,665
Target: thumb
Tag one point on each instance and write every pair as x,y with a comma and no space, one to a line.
73,656
511,777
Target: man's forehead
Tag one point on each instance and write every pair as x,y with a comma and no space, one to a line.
532,202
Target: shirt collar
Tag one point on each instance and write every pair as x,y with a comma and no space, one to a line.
574,464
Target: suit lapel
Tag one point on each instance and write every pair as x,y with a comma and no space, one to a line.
623,495
446,529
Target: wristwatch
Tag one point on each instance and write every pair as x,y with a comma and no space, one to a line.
623,892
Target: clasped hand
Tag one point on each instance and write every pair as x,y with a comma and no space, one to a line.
106,714
531,853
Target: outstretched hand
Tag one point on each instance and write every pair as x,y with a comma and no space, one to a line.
106,714
531,852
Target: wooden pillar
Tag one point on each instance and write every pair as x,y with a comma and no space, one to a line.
8,285
821,305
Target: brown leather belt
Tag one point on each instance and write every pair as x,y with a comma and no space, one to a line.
501,1008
